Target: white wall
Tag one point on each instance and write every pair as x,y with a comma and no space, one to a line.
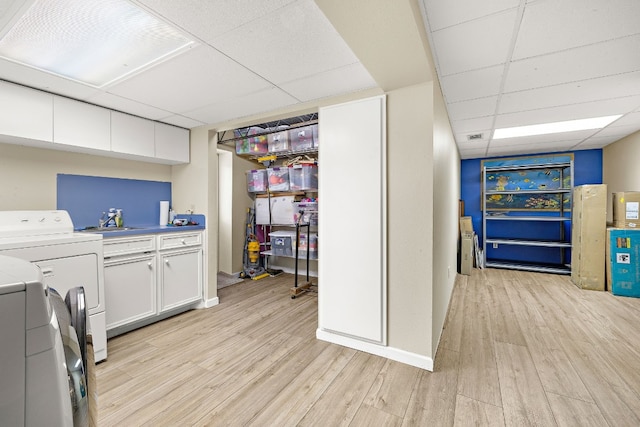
241,201
225,210
446,193
28,174
195,186
621,169
410,218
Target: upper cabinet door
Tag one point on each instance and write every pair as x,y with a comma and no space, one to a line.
132,135
172,143
81,125
26,113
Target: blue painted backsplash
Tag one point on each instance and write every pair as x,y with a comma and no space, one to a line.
86,197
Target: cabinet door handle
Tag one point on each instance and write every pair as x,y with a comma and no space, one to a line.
166,261
183,242
150,264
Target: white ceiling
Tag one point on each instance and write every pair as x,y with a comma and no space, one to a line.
501,63
506,63
250,57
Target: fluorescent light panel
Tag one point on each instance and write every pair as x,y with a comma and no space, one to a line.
96,42
557,127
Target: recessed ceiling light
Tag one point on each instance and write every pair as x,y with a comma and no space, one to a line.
96,42
557,127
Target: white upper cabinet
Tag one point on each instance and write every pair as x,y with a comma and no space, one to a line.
132,135
80,124
172,143
33,117
26,113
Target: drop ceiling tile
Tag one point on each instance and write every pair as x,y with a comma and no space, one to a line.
619,131
551,26
472,154
448,13
472,125
181,121
125,105
596,142
304,44
188,81
569,112
589,62
341,80
208,19
474,145
628,119
619,85
476,44
482,107
472,84
258,102
529,149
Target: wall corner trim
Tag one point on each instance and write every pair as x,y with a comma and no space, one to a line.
392,353
209,303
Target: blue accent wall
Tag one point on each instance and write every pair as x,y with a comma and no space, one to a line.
587,169
86,197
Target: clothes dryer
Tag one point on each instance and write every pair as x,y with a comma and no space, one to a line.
43,376
68,259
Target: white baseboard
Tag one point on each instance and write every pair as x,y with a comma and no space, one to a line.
209,303
396,354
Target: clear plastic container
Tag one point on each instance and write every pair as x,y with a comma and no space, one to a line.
279,142
278,179
303,177
257,180
301,138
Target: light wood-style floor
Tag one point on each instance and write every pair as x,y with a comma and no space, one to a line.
518,349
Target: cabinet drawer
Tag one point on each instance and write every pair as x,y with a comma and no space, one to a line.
180,240
129,245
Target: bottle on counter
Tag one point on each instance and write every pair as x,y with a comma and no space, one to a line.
119,218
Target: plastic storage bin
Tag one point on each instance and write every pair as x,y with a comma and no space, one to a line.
310,243
282,242
308,211
257,180
279,141
252,145
303,177
278,179
301,138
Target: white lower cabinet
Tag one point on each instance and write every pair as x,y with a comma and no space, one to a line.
181,278
130,289
149,277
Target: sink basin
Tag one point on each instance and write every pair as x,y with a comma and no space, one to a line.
107,229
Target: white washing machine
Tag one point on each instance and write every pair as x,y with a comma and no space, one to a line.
67,260
43,376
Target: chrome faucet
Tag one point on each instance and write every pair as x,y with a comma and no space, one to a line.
106,218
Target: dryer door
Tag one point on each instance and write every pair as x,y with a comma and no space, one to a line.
76,304
73,357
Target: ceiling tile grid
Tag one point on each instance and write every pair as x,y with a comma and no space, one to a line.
294,43
537,61
475,44
500,63
552,26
